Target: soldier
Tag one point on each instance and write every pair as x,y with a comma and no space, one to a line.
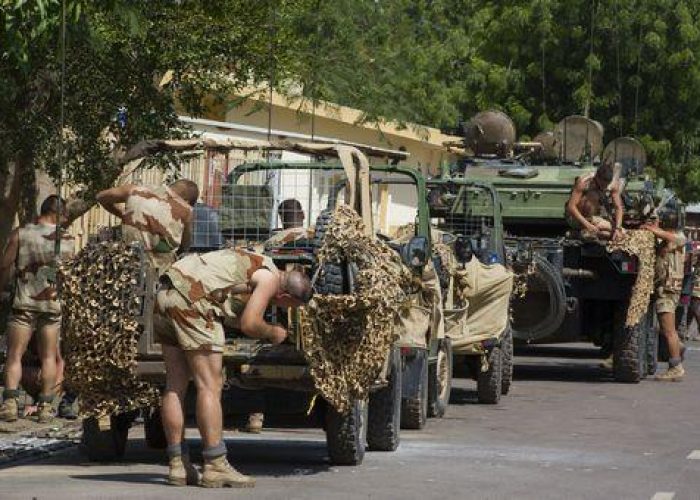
158,217
197,294
292,215
31,250
668,280
593,200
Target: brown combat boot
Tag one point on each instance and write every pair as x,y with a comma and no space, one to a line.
182,472
9,410
673,374
218,473
44,413
255,423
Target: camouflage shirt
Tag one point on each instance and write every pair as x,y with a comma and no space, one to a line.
220,278
670,264
36,269
285,236
155,217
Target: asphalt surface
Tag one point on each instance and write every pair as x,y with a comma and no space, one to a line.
566,431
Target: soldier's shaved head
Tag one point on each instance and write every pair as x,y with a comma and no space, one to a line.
298,285
51,205
188,190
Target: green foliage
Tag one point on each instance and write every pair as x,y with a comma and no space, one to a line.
633,65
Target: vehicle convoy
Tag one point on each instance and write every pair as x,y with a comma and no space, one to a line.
467,234
414,382
574,289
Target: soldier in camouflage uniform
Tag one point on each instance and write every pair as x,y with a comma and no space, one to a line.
197,294
292,215
158,217
668,281
31,250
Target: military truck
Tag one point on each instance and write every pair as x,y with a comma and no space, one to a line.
415,382
575,289
468,230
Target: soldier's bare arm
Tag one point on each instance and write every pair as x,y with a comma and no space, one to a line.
619,209
674,239
8,259
110,197
186,234
572,206
253,324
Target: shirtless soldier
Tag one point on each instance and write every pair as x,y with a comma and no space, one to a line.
31,250
197,294
593,200
159,217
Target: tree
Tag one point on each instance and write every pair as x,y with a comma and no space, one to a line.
130,66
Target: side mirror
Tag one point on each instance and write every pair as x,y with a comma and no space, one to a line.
416,252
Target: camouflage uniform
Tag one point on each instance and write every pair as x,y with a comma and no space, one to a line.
200,291
155,217
36,302
285,236
669,273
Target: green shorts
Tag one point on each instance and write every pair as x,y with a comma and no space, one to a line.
192,327
666,302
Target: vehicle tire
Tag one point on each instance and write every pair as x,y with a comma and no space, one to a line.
507,361
346,434
153,429
629,348
414,410
105,445
384,409
489,383
333,277
652,339
440,380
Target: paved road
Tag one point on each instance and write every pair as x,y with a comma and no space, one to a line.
566,431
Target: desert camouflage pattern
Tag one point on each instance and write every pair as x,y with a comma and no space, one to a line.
670,266
155,216
217,281
36,268
287,236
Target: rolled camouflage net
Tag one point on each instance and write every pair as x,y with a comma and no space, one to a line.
641,244
100,329
346,338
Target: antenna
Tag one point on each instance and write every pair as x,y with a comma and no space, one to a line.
271,74
61,124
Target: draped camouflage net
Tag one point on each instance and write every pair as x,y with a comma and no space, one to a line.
641,244
100,332
346,338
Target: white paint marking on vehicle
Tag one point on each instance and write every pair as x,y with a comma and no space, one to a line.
664,495
694,455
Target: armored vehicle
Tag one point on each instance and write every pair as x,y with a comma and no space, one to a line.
575,290
415,380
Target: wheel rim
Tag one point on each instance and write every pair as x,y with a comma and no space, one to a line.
442,373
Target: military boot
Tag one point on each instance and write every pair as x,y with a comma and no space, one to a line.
9,410
218,473
182,472
673,374
44,413
255,423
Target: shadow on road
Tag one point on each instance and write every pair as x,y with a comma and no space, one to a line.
124,477
558,351
562,372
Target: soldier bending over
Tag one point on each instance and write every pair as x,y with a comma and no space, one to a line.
197,294
593,200
158,217
668,280
31,250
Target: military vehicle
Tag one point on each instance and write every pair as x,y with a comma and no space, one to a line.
415,382
466,218
576,290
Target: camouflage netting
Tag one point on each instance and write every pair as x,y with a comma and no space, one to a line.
100,330
347,337
640,243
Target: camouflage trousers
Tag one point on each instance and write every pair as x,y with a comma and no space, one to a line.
189,326
667,301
